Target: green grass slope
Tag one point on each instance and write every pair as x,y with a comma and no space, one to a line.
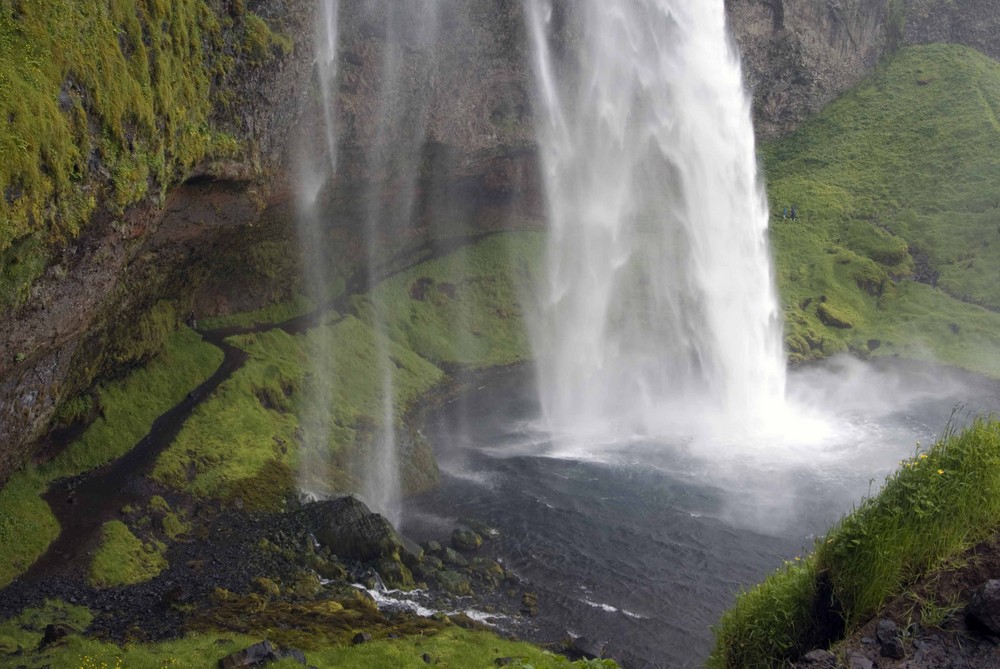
466,308
938,504
246,441
247,436
129,406
896,181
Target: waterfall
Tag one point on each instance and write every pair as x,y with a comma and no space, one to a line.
657,304
384,183
314,172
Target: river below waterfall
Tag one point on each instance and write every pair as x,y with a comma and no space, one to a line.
643,544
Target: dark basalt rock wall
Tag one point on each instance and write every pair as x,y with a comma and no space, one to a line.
974,23
224,241
799,54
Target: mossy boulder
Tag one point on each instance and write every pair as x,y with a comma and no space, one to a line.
488,571
454,583
464,539
835,317
267,587
452,557
394,573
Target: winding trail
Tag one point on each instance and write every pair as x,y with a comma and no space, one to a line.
82,504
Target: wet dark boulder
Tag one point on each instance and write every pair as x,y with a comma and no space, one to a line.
482,529
587,648
395,573
488,571
820,658
55,633
454,558
350,530
858,661
983,610
889,640
260,655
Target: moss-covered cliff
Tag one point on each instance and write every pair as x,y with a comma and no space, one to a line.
109,106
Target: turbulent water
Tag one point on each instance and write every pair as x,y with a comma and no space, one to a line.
646,545
658,305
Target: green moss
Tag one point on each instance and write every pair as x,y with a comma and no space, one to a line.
27,525
260,43
171,523
103,103
244,442
938,504
129,406
75,410
898,170
834,317
158,505
123,559
465,308
246,425
173,527
24,632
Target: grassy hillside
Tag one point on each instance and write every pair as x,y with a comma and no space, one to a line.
938,504
895,250
896,247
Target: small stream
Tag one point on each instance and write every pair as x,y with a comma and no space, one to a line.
645,544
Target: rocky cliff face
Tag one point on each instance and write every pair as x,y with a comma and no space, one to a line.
454,99
800,54
974,23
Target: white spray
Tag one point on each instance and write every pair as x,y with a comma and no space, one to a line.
658,306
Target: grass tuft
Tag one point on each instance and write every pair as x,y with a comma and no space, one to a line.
123,559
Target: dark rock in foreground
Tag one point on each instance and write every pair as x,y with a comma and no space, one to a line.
889,641
259,655
350,530
587,649
983,610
